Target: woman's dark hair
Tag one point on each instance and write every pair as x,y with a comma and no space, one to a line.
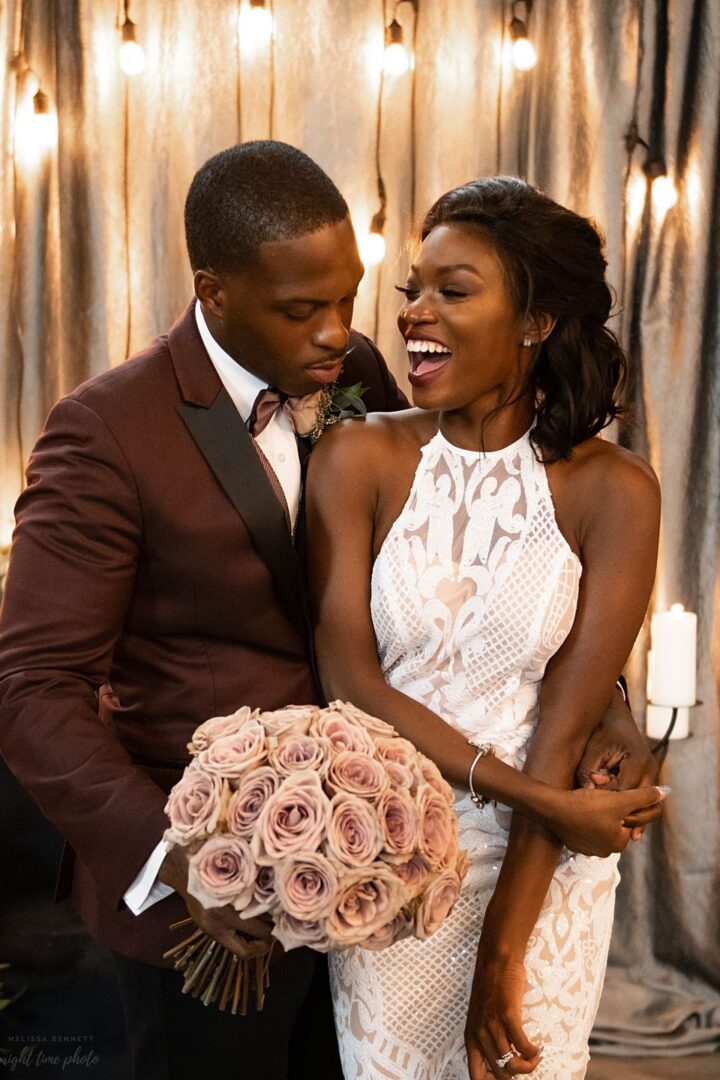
555,265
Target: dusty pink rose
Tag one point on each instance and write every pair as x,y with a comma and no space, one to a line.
357,774
305,412
398,928
292,933
293,720
306,886
295,753
293,820
194,806
353,835
368,898
373,724
343,734
400,750
400,776
247,802
436,903
413,874
263,896
233,755
436,825
222,872
220,726
431,775
399,823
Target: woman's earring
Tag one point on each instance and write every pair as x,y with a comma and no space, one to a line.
527,342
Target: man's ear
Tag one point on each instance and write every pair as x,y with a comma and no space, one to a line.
538,328
210,292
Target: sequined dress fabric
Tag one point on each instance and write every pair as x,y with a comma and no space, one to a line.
473,591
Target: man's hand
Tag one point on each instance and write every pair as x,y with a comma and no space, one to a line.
617,757
244,937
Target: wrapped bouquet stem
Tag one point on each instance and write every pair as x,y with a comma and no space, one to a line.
324,819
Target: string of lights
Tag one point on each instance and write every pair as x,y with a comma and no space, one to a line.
36,118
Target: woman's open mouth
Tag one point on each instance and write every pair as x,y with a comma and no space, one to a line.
427,360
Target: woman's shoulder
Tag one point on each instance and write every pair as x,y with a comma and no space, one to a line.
359,441
617,477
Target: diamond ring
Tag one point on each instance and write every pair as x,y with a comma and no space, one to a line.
501,1062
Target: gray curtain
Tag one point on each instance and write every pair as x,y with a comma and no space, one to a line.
92,265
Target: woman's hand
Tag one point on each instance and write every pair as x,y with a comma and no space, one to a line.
596,821
494,1024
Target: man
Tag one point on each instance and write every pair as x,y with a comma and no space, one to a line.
155,582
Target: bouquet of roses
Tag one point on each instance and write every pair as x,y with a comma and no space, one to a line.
325,819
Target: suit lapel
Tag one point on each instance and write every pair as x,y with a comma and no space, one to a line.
218,430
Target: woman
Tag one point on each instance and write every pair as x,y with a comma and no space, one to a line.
499,558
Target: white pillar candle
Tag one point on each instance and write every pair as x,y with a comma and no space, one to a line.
671,663
671,671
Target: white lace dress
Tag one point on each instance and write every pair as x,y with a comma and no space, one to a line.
473,591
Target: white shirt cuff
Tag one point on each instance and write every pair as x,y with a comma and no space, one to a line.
146,890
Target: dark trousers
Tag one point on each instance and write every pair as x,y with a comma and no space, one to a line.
172,1036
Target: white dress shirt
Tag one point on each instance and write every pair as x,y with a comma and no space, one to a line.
278,444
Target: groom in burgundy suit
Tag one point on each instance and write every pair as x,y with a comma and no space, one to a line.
156,580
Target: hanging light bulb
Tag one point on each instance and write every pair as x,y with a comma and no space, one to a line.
396,60
132,55
372,247
664,192
256,24
44,122
524,56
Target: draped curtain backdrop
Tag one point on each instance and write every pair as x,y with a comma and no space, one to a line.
92,265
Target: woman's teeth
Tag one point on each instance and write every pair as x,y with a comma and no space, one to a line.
414,345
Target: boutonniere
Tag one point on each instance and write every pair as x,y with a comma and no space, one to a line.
315,412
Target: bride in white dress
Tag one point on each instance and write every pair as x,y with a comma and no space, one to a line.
481,567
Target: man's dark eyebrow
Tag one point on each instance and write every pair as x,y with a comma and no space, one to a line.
453,266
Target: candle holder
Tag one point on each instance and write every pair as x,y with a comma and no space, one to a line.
660,748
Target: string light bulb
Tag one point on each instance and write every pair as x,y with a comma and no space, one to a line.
256,24
44,122
396,60
663,190
132,54
524,56
372,248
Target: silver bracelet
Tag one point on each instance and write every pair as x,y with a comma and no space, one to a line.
486,750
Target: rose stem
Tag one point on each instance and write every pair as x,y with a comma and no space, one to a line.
246,987
179,948
185,959
236,989
181,923
199,966
193,955
232,967
205,977
212,985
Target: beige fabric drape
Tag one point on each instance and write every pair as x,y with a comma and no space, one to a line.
92,264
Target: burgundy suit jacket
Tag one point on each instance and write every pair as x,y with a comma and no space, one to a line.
150,555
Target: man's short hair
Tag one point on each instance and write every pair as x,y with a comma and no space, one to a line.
253,193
